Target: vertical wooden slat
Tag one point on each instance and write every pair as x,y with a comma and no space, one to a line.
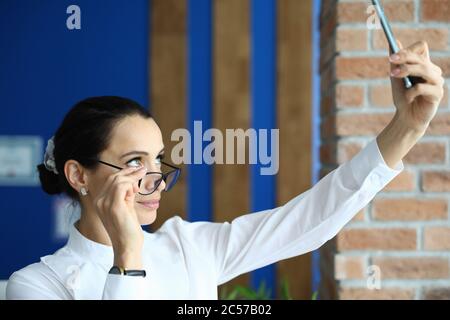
168,89
231,107
294,120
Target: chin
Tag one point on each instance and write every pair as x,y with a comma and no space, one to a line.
146,217
146,211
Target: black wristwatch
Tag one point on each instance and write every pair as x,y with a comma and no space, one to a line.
127,272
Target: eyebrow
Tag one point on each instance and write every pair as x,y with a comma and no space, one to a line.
138,152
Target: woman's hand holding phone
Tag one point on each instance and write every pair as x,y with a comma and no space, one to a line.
417,105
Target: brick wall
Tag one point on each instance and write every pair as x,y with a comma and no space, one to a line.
405,230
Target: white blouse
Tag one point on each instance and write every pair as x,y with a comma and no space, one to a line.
188,260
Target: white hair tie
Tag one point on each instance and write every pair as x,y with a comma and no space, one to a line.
49,158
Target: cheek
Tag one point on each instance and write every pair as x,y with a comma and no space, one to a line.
97,184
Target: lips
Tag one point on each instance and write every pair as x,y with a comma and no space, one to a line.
151,204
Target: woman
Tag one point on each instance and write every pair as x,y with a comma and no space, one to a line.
107,155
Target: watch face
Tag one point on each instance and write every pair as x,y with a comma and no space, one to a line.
115,270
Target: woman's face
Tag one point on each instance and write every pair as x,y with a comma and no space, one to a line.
133,133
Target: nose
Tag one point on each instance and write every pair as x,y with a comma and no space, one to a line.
162,186
149,182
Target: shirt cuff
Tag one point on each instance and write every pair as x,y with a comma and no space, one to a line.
370,160
120,287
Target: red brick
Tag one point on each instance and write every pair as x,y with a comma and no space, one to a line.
412,267
381,96
381,294
402,182
349,267
349,96
437,38
436,181
351,39
361,124
436,10
437,238
347,150
397,11
409,209
445,101
359,216
439,125
352,12
362,67
426,152
377,239
444,64
438,293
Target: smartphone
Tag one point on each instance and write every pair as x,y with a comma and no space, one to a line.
408,81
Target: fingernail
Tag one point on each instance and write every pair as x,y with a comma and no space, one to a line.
394,57
395,72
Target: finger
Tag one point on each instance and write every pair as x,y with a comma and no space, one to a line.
131,185
405,56
139,171
421,48
426,72
112,179
135,187
122,191
428,91
397,84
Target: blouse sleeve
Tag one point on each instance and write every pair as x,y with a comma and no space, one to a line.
301,225
119,287
37,282
34,283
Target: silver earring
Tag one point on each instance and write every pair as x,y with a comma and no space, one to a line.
83,191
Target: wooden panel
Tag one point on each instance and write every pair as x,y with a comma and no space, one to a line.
231,107
294,120
168,89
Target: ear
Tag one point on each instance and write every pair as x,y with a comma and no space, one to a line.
75,174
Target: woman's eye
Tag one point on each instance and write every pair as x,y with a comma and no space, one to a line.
135,162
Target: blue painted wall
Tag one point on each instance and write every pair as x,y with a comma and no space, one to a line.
199,83
47,68
315,263
263,111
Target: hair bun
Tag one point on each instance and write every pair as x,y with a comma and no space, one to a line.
49,180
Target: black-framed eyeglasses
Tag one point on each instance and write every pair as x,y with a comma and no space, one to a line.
152,180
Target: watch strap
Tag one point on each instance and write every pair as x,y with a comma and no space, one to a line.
127,272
